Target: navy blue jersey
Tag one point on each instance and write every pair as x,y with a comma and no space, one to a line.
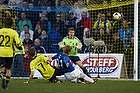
62,60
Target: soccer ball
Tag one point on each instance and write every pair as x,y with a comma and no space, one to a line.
116,16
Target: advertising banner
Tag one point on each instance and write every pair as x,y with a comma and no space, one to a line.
109,65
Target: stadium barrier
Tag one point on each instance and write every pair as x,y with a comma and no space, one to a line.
110,65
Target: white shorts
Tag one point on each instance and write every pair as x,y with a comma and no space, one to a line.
74,75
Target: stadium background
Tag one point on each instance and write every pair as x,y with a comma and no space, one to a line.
92,6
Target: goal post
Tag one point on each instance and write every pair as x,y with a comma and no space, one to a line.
136,40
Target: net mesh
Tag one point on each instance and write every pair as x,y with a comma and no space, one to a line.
49,25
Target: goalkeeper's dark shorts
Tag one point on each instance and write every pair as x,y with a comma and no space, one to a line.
6,62
74,59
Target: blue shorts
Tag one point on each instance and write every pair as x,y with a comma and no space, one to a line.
6,62
74,59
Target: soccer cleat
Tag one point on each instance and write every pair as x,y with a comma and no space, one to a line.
3,83
79,81
95,80
83,82
5,88
59,81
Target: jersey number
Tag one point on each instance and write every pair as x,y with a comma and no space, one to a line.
59,62
3,38
41,66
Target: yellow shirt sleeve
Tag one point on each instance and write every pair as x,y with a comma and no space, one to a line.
95,25
32,65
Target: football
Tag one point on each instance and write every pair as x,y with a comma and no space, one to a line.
116,16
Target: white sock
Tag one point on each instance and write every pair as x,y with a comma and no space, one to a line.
88,79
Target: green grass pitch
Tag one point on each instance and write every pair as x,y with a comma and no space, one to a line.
42,86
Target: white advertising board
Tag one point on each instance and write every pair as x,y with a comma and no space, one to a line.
109,64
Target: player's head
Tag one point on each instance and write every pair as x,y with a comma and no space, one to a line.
8,22
32,52
67,49
71,32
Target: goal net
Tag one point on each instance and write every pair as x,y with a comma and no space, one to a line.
44,25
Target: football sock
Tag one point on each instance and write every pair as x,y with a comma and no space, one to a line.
88,79
7,80
1,74
86,72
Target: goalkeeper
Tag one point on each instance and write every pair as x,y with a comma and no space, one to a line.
76,45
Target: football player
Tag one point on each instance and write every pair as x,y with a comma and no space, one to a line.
8,38
40,63
67,68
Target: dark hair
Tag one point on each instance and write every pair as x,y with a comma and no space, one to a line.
67,49
24,0
26,25
58,13
132,36
8,22
30,2
44,29
27,33
31,52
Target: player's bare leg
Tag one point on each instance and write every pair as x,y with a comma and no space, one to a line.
79,63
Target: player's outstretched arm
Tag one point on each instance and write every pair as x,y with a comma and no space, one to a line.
50,58
30,77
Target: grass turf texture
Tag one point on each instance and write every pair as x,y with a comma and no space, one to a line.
42,86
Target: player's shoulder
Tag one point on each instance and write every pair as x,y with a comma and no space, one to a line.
40,56
64,55
66,38
9,31
36,58
75,37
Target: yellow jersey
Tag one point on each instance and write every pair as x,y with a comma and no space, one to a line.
40,63
17,51
8,37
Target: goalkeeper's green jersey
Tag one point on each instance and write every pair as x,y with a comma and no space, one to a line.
73,43
40,63
8,37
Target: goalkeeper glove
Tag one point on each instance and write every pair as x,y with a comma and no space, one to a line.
61,45
79,46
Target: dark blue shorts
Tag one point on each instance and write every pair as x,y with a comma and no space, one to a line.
6,62
74,59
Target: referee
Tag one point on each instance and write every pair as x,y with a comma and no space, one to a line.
8,38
